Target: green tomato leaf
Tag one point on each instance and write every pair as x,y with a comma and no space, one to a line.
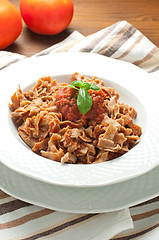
84,101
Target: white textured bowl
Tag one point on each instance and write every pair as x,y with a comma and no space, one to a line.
135,87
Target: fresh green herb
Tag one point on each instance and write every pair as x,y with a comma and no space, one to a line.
84,100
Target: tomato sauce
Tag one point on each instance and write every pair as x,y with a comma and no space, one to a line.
66,100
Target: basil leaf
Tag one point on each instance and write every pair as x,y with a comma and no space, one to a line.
94,87
84,101
86,85
77,83
71,87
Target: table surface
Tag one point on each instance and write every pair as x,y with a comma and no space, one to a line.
91,16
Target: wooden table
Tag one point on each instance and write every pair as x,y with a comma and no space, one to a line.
91,16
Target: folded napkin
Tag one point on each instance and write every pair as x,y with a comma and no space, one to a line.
20,220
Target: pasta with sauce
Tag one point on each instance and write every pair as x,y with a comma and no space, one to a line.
50,122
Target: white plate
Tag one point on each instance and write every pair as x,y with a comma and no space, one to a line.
135,87
80,200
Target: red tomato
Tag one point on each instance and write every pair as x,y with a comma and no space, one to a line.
47,17
10,23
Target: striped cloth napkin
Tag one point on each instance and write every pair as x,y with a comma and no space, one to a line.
21,220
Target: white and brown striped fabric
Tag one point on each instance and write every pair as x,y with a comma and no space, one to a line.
21,220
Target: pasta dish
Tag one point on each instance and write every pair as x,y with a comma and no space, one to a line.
51,120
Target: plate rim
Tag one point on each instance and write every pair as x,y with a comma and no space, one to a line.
42,202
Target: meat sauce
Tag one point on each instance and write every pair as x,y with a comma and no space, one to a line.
66,100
